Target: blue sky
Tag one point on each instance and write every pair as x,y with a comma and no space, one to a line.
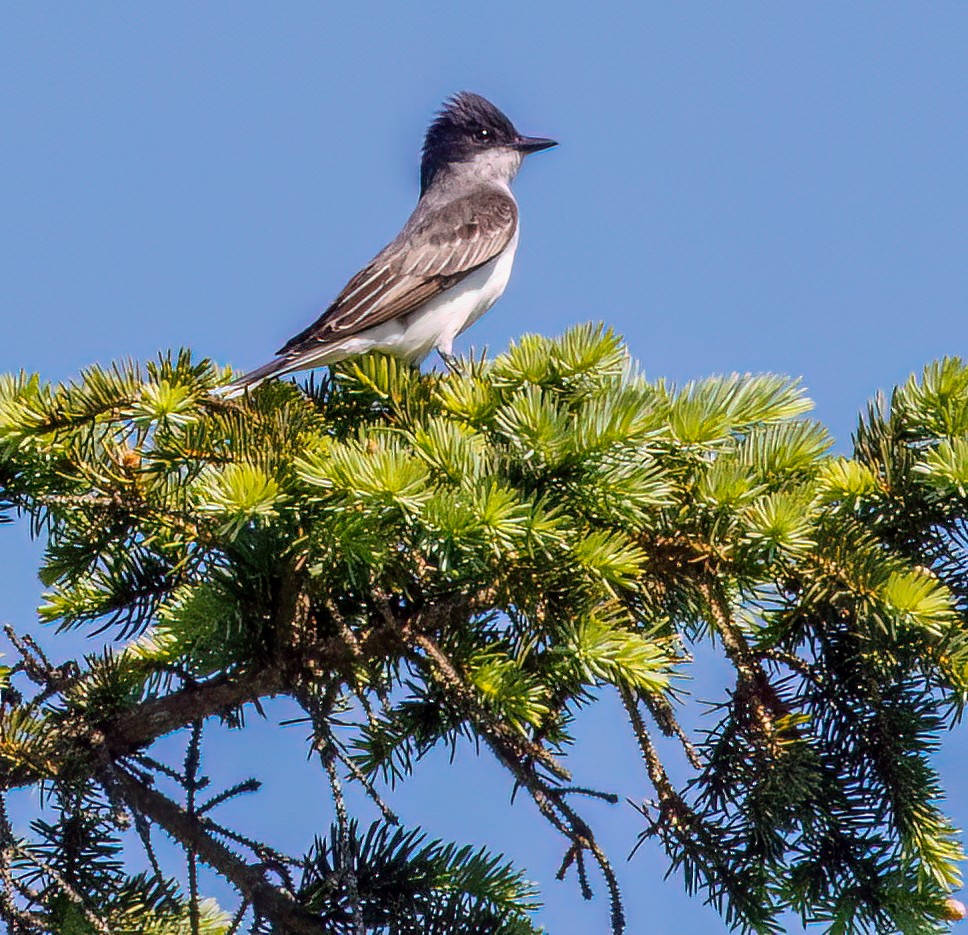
748,186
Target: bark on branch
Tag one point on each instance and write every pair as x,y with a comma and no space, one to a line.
74,743
137,727
274,904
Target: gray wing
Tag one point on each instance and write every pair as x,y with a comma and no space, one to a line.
431,254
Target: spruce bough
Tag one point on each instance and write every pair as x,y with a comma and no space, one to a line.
415,558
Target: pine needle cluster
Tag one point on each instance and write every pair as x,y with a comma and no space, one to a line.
416,558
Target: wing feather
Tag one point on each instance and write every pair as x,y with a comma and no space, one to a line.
434,251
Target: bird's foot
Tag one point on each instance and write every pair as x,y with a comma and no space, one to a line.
451,363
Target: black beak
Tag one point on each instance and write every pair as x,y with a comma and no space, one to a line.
533,144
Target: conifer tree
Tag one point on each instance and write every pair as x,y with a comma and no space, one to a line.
418,558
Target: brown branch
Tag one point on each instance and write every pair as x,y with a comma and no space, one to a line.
676,821
153,719
670,802
519,756
801,666
754,692
36,666
93,919
664,716
484,720
139,726
268,900
236,922
18,920
329,747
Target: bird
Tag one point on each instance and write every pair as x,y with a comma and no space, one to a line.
448,265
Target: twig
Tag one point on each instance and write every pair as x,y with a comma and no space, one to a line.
267,900
485,720
324,742
9,910
675,820
359,776
609,797
519,757
92,917
753,685
665,718
238,917
190,782
669,798
794,662
342,823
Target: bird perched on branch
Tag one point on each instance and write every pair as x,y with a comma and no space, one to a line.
449,264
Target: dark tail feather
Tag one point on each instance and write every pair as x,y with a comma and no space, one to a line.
253,378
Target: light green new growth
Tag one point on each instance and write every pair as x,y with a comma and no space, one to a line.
418,558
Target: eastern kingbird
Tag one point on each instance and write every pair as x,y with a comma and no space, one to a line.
449,264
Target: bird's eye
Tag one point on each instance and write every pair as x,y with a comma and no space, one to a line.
482,135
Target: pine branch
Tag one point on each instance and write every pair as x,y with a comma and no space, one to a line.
754,693
519,756
93,919
268,901
495,545
142,724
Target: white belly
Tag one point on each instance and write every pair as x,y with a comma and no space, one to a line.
437,323
434,325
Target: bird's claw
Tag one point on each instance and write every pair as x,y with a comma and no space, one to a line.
450,362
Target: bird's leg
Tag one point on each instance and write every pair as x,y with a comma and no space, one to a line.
450,362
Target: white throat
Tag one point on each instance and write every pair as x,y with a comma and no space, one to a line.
496,166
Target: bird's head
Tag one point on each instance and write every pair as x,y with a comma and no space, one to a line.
470,129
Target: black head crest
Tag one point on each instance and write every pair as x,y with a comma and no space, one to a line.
467,124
